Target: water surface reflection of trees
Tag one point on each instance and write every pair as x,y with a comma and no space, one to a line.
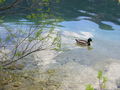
97,10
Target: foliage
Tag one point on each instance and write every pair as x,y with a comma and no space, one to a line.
102,82
100,75
89,87
1,67
17,44
1,1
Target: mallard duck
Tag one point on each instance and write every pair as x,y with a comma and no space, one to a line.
84,42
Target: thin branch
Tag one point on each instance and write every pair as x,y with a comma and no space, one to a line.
23,56
11,5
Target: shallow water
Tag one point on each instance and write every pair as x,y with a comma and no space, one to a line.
105,43
77,66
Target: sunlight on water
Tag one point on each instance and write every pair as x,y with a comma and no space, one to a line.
73,66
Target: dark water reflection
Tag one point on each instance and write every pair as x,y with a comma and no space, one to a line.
71,10
96,10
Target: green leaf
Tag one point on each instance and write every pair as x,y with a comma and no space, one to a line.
48,10
38,33
39,9
18,54
8,38
105,79
13,35
58,1
55,39
30,39
56,49
103,86
1,1
41,38
29,16
45,0
1,21
1,67
100,74
89,87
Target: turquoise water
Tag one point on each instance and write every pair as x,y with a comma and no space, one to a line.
99,18
75,66
106,43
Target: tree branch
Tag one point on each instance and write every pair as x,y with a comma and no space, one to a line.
23,56
10,6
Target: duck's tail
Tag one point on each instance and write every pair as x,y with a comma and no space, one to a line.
76,40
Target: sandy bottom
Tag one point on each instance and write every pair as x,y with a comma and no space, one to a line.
72,68
71,72
75,66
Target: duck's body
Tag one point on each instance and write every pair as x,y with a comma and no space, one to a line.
83,42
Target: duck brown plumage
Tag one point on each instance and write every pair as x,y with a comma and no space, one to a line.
84,42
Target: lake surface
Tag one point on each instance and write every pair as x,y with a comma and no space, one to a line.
99,20
96,19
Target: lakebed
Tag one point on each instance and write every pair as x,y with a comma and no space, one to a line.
71,68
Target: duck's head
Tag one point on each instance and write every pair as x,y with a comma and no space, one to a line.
89,40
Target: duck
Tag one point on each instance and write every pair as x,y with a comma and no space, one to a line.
84,42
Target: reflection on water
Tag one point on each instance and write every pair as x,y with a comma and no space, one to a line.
88,47
105,45
96,19
95,11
